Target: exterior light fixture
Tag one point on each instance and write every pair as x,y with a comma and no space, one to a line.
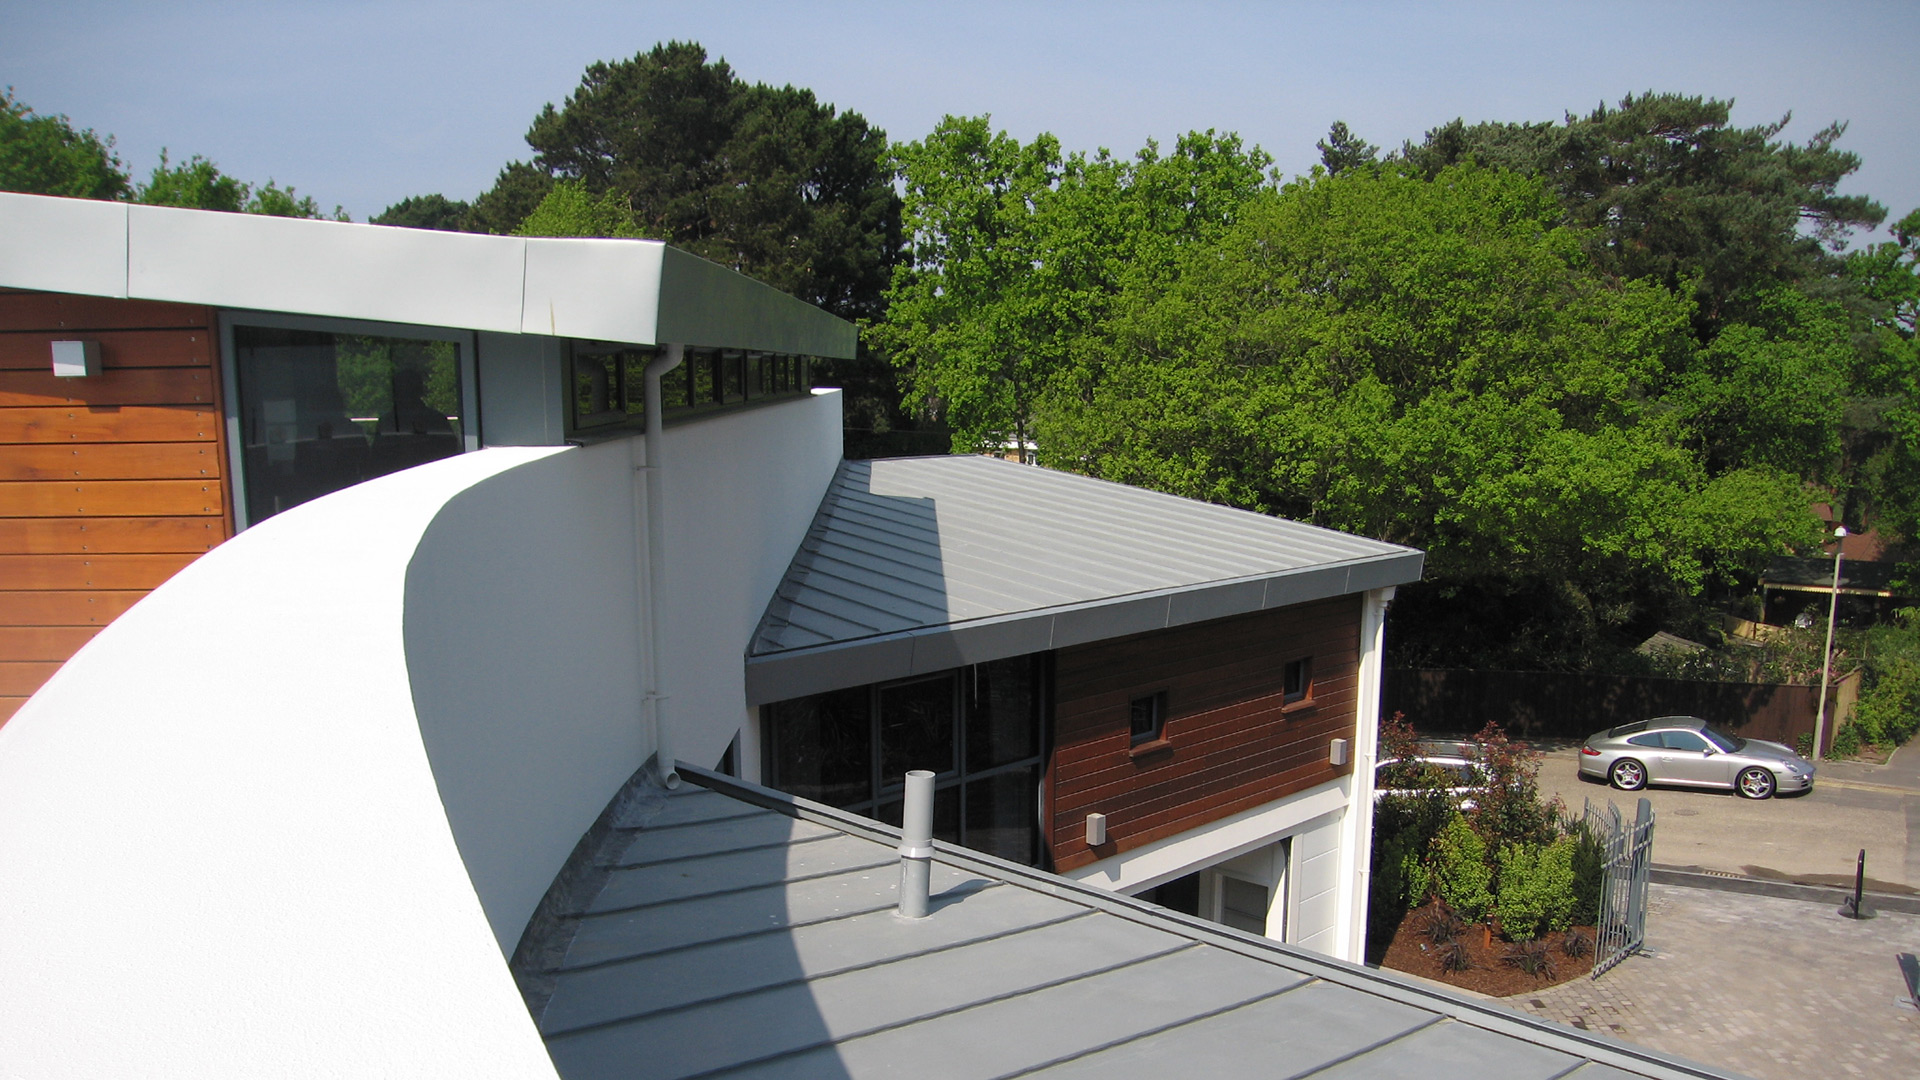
1337,752
76,359
1096,829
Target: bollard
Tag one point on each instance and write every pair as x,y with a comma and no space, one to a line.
1853,906
916,845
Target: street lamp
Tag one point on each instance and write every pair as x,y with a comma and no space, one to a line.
1826,658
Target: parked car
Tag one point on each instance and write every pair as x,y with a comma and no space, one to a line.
1688,751
1464,777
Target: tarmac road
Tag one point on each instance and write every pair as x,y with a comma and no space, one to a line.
1812,838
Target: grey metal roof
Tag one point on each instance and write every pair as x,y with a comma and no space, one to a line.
730,930
923,564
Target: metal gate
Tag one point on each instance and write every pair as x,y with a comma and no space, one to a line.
1623,896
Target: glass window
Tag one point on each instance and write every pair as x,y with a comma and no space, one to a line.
946,813
1145,715
636,361
1001,812
821,747
1297,680
916,728
1685,740
599,388
674,386
1651,738
701,366
733,376
321,411
1003,712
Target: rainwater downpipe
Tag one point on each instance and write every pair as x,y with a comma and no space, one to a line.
665,764
916,845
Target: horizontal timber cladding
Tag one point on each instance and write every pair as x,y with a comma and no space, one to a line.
109,483
1230,740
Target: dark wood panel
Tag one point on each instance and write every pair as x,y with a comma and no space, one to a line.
1232,740
111,498
33,350
21,679
55,643
109,423
128,386
20,536
89,571
58,311
9,706
65,608
110,461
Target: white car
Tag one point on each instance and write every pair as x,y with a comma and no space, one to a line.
1465,778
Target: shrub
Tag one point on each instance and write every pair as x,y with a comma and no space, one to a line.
1536,888
1460,872
1443,925
1589,876
1846,741
1454,956
1387,892
1510,810
1888,711
1533,958
1576,945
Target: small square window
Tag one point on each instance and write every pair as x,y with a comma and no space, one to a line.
1147,717
1296,682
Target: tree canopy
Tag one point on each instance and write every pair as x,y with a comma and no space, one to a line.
44,155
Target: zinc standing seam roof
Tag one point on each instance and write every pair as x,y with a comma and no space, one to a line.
922,564
728,930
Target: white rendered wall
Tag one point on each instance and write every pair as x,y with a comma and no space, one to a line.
225,853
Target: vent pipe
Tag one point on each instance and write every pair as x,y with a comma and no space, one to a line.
916,845
665,764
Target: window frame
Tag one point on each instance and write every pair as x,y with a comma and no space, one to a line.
230,383
1156,707
1302,696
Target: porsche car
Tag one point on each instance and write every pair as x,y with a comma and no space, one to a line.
1689,752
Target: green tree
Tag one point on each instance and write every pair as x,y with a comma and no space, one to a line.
515,193
570,210
425,212
44,155
1342,150
198,184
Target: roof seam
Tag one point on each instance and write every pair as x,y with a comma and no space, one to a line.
630,908
1371,1047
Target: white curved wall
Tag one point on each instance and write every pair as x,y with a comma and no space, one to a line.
224,850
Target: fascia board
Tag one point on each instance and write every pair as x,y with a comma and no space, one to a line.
600,290
63,245
795,673
325,268
706,304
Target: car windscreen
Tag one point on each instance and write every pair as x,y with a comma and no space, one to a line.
1723,741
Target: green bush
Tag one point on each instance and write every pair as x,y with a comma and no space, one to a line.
1888,711
1589,876
1386,893
1846,741
1536,888
1460,872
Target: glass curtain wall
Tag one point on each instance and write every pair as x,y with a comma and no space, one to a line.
978,728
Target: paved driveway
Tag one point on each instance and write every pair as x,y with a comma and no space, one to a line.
1811,838
1776,989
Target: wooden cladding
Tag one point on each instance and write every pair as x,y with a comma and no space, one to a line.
1230,740
109,484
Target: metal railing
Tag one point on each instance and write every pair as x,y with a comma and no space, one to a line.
1623,894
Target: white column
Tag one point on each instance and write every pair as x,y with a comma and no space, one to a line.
1356,841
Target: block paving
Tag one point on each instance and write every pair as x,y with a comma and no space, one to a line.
1772,988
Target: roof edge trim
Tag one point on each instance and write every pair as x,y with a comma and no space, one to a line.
836,665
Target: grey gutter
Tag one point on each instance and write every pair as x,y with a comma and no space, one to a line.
835,665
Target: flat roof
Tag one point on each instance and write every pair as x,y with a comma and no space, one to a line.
637,291
1858,577
726,929
922,564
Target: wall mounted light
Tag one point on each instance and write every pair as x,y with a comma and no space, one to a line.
1337,753
76,359
1096,829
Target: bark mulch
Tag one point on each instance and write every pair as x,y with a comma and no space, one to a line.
1415,952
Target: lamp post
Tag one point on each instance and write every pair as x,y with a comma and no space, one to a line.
1826,657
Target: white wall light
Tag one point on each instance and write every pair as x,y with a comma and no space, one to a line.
1337,753
76,359
1096,829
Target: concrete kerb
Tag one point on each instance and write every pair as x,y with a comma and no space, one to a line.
1785,890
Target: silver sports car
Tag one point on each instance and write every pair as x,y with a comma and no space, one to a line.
1689,751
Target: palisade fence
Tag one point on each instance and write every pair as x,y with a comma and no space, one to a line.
1550,704
1623,895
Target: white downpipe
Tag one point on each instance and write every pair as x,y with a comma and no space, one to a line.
665,764
1357,841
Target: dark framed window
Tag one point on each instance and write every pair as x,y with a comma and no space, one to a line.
320,408
1147,717
1296,681
609,383
979,729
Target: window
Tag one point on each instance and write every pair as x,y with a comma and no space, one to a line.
1684,740
1651,739
1296,681
609,383
977,728
1147,716
320,409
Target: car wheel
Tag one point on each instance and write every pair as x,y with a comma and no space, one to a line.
1628,775
1754,783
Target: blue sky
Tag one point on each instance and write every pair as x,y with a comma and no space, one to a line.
362,104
